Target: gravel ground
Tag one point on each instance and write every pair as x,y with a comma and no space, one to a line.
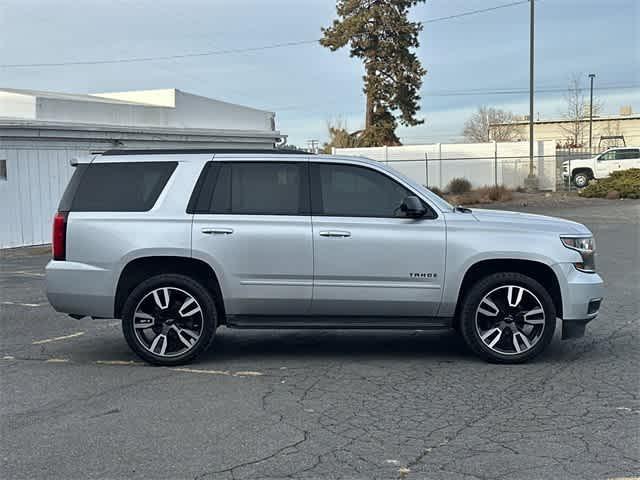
75,403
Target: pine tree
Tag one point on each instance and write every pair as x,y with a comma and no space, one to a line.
379,32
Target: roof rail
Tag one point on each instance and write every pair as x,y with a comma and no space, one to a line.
170,151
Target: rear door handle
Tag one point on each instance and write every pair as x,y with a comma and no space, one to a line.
217,231
335,233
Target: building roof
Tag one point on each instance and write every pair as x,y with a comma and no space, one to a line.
64,96
163,108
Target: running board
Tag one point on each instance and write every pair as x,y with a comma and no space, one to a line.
322,322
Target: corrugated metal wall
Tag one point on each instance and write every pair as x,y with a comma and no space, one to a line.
38,171
36,179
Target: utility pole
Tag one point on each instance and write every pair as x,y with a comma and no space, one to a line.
531,32
591,77
531,182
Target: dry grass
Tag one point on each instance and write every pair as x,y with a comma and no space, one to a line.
482,195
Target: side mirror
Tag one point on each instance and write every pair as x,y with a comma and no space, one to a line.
412,207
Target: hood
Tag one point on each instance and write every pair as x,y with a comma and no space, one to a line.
574,160
529,221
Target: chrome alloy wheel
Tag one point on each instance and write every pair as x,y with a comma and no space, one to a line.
510,320
168,322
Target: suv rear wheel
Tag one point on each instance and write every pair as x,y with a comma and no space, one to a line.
507,318
169,319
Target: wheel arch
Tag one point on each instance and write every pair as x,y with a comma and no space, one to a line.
139,269
539,271
577,170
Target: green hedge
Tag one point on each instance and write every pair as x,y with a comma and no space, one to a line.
626,183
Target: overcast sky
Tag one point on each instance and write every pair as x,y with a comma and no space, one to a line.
307,85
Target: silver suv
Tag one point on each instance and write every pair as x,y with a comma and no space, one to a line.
178,243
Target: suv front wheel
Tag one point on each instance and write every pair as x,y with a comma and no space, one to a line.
169,319
507,318
581,179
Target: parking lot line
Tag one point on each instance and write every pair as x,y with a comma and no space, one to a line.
22,272
56,339
120,362
245,373
22,304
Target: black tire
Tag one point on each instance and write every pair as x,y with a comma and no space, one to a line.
581,179
492,283
209,317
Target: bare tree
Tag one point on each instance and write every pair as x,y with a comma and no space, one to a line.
339,136
576,113
489,124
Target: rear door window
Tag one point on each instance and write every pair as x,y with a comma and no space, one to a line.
252,188
116,187
628,153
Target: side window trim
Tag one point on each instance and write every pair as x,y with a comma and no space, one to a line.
211,171
316,192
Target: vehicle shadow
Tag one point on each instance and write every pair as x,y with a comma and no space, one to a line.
334,344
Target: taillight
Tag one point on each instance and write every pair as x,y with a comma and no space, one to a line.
59,240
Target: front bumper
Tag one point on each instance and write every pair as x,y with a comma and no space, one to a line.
582,295
80,289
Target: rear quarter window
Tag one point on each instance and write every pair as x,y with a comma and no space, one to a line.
116,187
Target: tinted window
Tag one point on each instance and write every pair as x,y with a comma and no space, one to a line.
352,191
627,154
254,188
116,187
608,156
72,187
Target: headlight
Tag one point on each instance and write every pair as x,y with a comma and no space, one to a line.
586,247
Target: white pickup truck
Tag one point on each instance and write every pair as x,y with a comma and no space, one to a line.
581,170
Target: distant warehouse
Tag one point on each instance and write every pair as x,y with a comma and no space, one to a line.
607,130
41,131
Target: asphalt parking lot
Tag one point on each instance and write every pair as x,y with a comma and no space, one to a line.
75,403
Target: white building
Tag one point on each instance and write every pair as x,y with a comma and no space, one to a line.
41,131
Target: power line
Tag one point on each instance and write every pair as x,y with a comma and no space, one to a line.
519,91
473,12
231,50
472,93
165,57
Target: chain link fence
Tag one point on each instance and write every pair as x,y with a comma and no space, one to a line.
485,164
510,172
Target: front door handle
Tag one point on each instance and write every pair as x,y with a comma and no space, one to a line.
335,233
217,231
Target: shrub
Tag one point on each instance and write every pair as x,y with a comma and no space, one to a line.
458,186
625,182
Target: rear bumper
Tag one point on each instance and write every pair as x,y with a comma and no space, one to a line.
80,289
